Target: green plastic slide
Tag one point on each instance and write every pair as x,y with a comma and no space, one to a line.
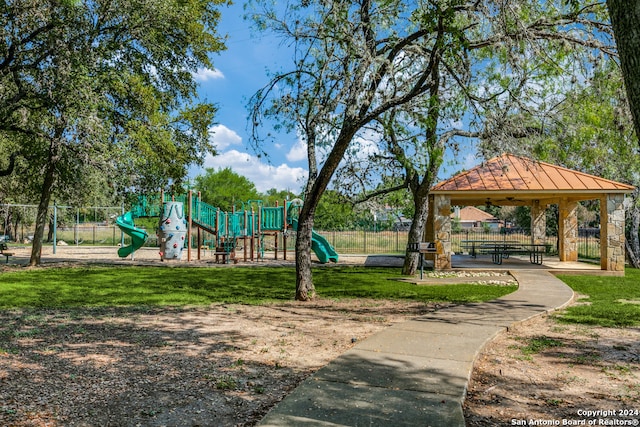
138,235
320,246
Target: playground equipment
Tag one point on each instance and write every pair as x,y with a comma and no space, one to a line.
320,246
172,230
138,235
246,229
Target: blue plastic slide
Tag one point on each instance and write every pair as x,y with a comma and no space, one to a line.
320,246
138,235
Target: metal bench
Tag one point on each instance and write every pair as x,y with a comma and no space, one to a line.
4,250
226,250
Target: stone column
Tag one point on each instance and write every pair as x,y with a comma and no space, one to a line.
612,256
429,230
568,230
538,223
442,231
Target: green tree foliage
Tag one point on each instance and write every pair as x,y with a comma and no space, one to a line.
273,196
593,131
225,189
104,89
335,212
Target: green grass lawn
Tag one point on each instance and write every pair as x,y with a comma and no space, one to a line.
162,286
609,301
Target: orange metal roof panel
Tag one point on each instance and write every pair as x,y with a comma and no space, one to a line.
529,172
473,180
496,171
588,181
513,173
557,179
544,180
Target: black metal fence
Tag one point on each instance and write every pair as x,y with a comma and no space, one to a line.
390,242
344,242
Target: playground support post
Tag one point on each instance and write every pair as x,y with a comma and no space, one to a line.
121,232
55,225
189,224
255,241
275,243
198,233
260,254
284,231
244,237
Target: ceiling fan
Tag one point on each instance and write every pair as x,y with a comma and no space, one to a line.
506,200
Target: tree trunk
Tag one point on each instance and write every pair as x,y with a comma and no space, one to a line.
52,226
8,224
9,169
15,226
305,290
625,15
416,232
633,239
42,215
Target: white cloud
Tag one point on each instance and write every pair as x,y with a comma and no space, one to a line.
263,175
297,152
470,161
366,144
206,74
223,137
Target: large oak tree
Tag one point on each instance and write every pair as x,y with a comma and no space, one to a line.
356,62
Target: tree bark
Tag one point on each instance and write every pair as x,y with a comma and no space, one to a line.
10,230
12,163
305,289
43,214
416,234
625,15
633,239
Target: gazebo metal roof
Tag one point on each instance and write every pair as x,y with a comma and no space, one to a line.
514,180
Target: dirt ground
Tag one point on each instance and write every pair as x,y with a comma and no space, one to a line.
223,365
545,371
227,365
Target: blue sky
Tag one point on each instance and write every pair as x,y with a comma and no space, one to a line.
239,72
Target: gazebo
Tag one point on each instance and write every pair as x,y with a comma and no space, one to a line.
513,180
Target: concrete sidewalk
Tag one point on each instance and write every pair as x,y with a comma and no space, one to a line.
415,373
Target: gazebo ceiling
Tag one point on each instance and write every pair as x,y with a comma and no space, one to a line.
514,180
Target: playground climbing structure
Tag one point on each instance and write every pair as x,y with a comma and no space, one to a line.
172,230
248,228
138,235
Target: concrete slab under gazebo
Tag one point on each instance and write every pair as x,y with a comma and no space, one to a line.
510,180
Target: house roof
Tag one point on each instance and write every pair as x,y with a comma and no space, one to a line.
471,213
510,179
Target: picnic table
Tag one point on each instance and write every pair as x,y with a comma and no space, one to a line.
501,249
